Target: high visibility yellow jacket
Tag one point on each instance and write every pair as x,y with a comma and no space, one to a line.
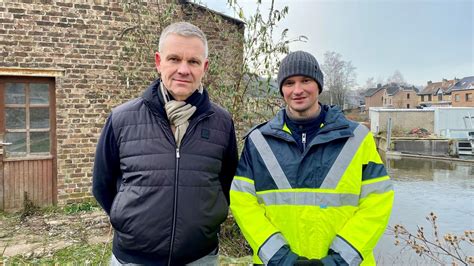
336,194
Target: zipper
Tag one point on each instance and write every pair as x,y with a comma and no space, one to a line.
303,140
175,205
169,134
175,198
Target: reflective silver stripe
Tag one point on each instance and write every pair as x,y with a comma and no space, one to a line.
239,185
269,159
347,252
270,247
308,198
378,188
344,158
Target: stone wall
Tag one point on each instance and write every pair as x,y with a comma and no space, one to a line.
88,41
403,120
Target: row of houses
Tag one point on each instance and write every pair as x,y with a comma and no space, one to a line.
455,93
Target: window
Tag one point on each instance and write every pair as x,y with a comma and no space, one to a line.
457,98
429,98
408,95
468,97
422,98
27,118
440,97
408,106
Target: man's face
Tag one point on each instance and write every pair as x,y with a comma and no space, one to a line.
182,65
301,95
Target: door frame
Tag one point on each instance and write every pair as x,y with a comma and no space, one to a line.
51,81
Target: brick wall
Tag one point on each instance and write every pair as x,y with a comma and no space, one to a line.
375,100
400,100
84,39
464,101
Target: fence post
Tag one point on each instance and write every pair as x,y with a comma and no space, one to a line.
389,133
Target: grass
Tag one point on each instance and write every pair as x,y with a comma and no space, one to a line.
87,206
78,254
234,249
93,254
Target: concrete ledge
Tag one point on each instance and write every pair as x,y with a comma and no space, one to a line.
434,147
396,154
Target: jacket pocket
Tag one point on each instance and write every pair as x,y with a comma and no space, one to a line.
142,217
114,209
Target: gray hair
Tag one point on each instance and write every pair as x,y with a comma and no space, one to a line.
185,29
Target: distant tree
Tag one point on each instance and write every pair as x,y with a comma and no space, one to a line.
339,77
397,78
380,80
370,83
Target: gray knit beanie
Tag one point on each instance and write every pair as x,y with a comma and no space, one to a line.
300,63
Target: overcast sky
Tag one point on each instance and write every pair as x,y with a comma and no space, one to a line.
424,40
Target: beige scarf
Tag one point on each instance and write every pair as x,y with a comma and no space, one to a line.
178,113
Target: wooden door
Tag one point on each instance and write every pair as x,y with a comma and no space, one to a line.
27,142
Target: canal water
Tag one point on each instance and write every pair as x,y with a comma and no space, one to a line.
422,186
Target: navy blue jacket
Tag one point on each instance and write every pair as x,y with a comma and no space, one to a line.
165,205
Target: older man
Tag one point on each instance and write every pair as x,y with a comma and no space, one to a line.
310,187
165,161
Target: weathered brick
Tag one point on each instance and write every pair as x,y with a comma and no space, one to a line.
101,8
83,39
6,21
63,25
44,23
16,10
59,3
81,6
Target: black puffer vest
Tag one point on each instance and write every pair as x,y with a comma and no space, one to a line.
169,201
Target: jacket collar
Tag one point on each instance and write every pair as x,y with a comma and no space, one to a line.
154,101
335,126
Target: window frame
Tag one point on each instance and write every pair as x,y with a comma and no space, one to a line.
29,107
457,97
468,97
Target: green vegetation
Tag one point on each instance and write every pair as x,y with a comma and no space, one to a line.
86,206
231,241
78,254
79,234
92,254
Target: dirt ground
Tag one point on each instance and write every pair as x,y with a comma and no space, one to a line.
39,235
